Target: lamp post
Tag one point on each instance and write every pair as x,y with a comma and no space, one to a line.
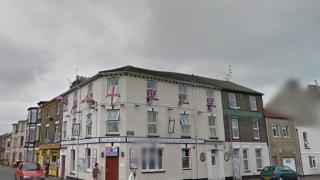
231,139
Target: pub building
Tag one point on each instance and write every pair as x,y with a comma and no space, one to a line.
160,125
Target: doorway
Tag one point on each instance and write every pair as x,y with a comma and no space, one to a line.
112,168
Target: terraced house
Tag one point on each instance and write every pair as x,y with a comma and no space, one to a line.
245,131
48,133
161,125
18,141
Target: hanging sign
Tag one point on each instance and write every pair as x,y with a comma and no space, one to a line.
112,151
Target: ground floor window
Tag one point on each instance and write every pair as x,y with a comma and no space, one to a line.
312,161
214,157
185,158
152,159
259,158
88,158
73,160
245,159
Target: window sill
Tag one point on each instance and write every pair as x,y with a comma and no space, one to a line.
236,138
113,134
286,137
153,171
153,135
214,137
186,136
186,169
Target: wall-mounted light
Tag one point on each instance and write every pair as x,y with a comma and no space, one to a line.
122,104
200,112
170,109
137,105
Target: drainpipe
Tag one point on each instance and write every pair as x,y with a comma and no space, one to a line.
268,138
299,148
195,126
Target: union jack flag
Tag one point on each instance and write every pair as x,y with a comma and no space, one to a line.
88,99
210,103
63,99
182,98
151,95
74,106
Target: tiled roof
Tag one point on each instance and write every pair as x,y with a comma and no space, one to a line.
273,114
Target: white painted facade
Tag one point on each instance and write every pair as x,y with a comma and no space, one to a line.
312,149
237,168
133,118
18,141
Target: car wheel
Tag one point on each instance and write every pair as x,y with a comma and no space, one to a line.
298,178
280,178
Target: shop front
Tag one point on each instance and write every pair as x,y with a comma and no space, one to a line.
50,153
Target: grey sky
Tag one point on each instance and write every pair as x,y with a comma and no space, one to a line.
42,43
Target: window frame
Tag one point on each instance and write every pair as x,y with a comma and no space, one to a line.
276,129
116,120
73,160
181,91
232,100
150,123
253,103
146,157
245,159
285,131
185,124
184,152
89,125
212,127
256,129
312,162
64,131
259,158
237,128
88,158
214,156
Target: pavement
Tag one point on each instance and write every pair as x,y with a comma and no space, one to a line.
7,173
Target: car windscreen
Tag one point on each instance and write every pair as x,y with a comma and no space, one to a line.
31,167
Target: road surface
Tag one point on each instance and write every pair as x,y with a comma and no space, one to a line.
6,174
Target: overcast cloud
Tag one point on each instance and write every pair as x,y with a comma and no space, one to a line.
42,43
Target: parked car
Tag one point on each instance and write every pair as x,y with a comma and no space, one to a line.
29,171
279,173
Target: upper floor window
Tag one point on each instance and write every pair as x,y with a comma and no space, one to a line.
152,122
185,158
64,131
212,126
113,121
232,100
306,141
209,92
89,125
113,82
285,131
253,103
256,130
185,124
151,84
90,89
183,94
151,91
235,128
276,130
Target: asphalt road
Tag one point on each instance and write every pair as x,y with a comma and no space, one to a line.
6,174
